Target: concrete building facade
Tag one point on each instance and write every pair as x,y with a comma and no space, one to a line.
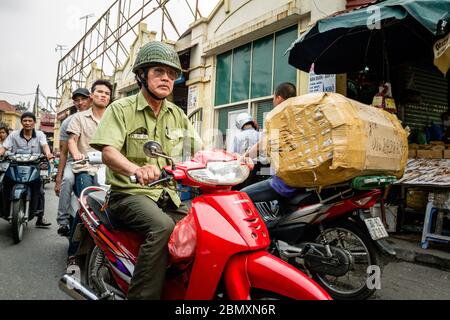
237,58
233,59
9,115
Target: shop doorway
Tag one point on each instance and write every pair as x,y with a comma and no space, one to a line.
180,90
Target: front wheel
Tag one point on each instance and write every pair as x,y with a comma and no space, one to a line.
353,285
18,219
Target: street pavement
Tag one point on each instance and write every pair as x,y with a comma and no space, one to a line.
30,270
403,280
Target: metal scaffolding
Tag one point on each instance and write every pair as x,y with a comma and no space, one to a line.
108,41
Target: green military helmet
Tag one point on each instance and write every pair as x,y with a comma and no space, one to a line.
154,53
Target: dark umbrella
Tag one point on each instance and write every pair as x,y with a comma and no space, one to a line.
386,34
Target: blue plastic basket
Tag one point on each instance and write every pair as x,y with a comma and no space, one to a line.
185,192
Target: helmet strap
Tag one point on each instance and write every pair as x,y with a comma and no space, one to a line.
145,85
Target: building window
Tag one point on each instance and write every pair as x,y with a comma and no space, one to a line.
262,109
262,67
246,77
283,71
253,70
223,80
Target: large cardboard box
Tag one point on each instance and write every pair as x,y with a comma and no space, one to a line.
322,139
446,154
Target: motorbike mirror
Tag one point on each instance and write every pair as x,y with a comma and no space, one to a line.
153,149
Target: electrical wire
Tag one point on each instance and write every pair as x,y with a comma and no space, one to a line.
18,94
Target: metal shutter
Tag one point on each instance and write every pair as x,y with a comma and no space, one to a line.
433,89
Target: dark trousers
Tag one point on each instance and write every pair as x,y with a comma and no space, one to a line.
82,181
156,221
261,192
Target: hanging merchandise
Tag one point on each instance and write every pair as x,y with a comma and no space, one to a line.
383,99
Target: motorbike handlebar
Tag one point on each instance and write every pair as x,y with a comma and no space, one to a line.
164,177
91,158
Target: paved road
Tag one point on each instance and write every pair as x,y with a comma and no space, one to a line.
406,281
31,269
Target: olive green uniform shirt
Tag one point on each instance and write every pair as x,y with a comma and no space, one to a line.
129,123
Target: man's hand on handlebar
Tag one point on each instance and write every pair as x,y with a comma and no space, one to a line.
78,156
147,174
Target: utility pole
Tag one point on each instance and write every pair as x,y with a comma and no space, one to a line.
60,48
36,102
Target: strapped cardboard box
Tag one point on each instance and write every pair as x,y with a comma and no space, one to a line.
321,139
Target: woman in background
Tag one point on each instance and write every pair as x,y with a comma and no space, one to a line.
4,132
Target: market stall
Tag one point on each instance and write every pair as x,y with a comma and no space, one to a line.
386,50
433,177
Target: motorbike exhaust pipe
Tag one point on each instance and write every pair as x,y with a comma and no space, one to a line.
75,289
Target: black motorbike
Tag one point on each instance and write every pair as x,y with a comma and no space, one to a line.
331,235
22,170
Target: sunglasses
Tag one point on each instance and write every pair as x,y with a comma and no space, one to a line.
159,72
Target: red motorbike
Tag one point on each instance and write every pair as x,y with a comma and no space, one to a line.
229,258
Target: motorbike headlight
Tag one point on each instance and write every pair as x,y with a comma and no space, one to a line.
227,173
25,158
4,166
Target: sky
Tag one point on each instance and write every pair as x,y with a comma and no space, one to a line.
29,34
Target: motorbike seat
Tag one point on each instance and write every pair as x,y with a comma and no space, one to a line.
95,201
295,200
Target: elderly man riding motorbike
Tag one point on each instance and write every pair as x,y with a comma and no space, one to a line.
124,129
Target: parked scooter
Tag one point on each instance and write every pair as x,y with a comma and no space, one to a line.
331,235
23,169
228,258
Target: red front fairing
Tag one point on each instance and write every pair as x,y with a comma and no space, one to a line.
227,224
252,270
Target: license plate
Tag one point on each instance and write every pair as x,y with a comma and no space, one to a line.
44,172
376,228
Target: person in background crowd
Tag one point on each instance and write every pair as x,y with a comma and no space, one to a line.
34,141
4,132
81,129
65,179
273,188
247,137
